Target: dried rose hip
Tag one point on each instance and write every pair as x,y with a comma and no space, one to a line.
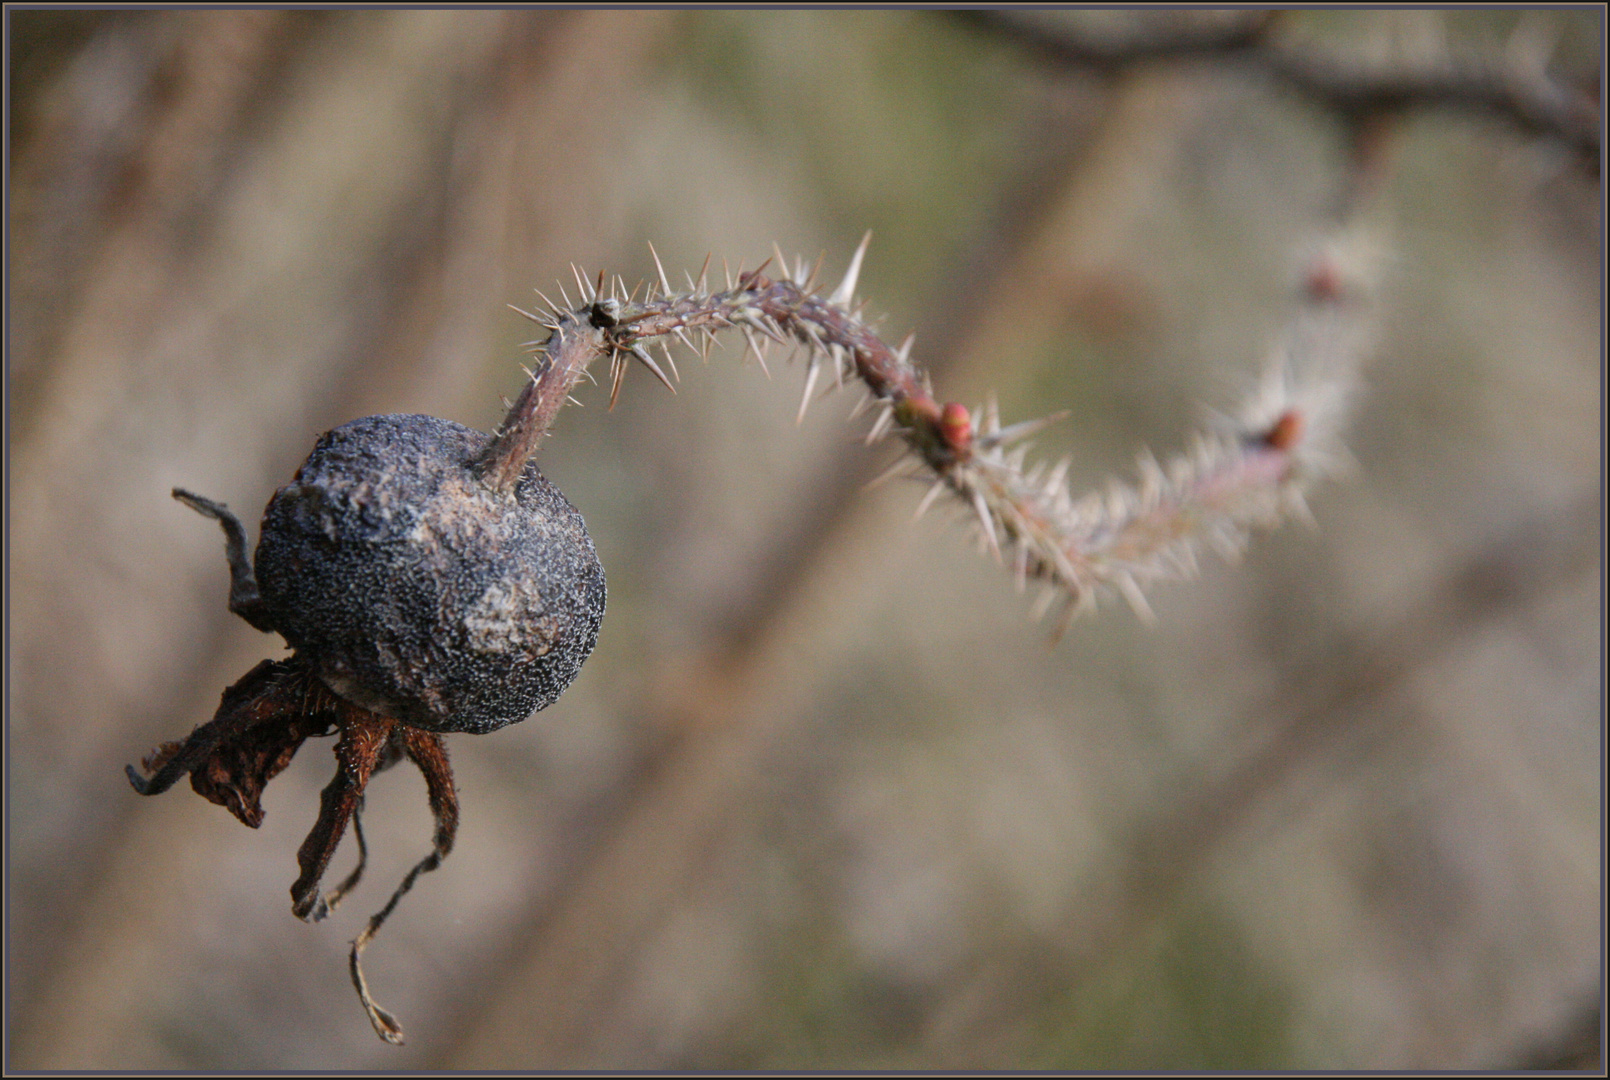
418,599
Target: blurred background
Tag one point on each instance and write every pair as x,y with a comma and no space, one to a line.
825,796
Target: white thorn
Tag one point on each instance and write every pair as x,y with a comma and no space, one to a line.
810,282
810,382
665,282
669,359
880,425
901,465
995,435
553,307
581,284
903,353
987,521
754,346
846,290
648,361
1137,600
928,499
782,263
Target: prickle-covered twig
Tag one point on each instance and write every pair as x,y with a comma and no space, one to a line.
1251,473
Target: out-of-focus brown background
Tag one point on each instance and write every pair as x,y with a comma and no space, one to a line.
824,797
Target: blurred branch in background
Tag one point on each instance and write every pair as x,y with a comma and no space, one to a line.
1515,87
822,798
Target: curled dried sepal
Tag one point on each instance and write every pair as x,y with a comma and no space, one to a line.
261,722
426,751
1251,473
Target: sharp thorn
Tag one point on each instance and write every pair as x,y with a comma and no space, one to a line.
810,282
903,353
782,263
846,290
1053,483
617,375
881,424
754,347
811,373
581,283
704,272
928,499
669,359
527,314
726,273
665,283
1021,430
555,308
986,521
1127,585
901,464
648,361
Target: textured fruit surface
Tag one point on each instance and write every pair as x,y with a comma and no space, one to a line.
418,592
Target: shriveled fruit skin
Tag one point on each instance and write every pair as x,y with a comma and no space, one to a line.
417,591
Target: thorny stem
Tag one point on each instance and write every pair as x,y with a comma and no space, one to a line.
1248,475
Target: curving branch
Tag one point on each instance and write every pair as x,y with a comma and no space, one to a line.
1249,474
